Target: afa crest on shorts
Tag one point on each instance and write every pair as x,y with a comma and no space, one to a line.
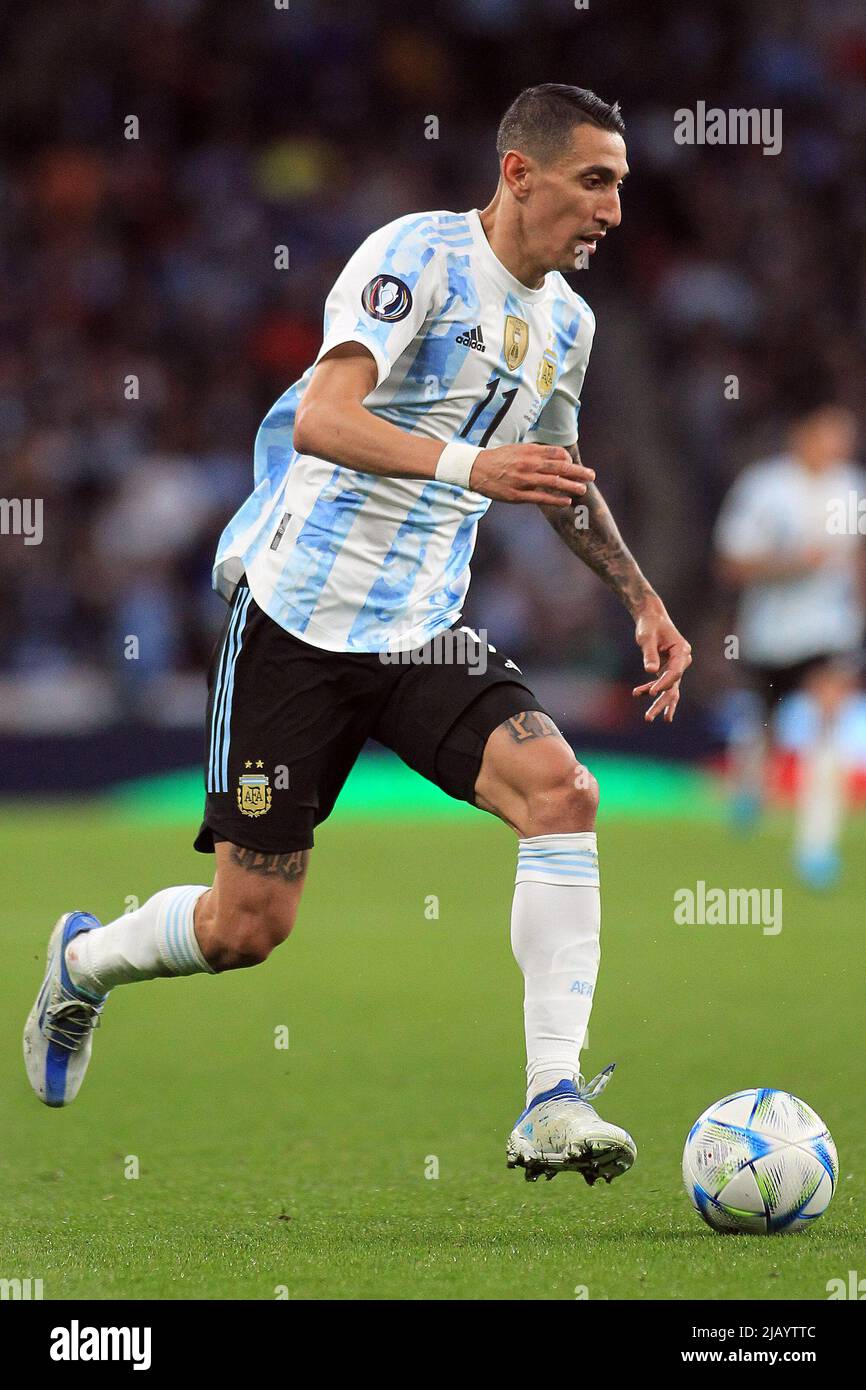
515,343
254,792
386,298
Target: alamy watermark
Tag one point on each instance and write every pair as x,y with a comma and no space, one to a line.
22,516
462,646
846,516
729,907
21,1289
77,1343
853,1287
737,126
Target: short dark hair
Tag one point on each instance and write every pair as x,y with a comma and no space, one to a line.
540,120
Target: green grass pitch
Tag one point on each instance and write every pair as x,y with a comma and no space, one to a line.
303,1172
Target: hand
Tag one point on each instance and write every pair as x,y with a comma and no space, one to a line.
814,557
831,554
529,473
666,652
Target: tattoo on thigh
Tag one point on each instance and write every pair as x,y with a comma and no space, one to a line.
530,724
288,867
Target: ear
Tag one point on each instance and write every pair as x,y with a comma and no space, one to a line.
517,170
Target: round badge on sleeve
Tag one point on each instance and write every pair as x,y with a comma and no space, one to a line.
387,298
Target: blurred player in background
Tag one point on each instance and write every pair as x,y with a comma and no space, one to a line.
788,540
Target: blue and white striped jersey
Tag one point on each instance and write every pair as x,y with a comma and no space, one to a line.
352,561
778,509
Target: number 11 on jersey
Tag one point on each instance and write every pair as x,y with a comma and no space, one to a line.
492,389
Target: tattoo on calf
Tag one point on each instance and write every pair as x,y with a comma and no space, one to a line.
530,724
288,867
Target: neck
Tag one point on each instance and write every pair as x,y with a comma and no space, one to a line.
504,231
812,464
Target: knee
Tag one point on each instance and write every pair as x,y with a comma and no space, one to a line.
564,801
247,935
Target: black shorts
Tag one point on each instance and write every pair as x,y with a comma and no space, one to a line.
286,722
772,683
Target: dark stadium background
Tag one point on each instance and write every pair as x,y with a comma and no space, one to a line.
261,127
265,1174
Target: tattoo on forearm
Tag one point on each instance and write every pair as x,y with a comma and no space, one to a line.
288,867
530,724
599,544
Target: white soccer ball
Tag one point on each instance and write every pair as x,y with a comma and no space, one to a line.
760,1162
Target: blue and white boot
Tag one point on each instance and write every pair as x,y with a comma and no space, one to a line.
58,1034
818,869
559,1131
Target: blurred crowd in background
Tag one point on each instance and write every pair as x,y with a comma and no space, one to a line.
145,327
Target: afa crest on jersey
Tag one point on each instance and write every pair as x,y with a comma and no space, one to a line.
254,794
515,343
546,373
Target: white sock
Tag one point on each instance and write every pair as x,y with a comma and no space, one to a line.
821,796
748,753
555,926
157,939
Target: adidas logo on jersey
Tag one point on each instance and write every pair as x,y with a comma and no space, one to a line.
472,339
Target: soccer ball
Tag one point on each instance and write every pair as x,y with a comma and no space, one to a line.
760,1162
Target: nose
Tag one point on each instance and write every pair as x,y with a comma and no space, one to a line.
609,212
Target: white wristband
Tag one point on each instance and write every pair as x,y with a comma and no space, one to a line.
455,463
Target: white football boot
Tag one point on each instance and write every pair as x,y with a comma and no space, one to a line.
58,1034
559,1131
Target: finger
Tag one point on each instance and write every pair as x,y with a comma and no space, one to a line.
660,706
544,499
649,647
554,452
659,688
660,683
666,698
666,681
571,487
674,669
566,470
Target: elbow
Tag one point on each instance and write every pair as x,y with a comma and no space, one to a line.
306,435
728,573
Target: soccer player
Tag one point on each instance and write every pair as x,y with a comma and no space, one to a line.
785,539
449,375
